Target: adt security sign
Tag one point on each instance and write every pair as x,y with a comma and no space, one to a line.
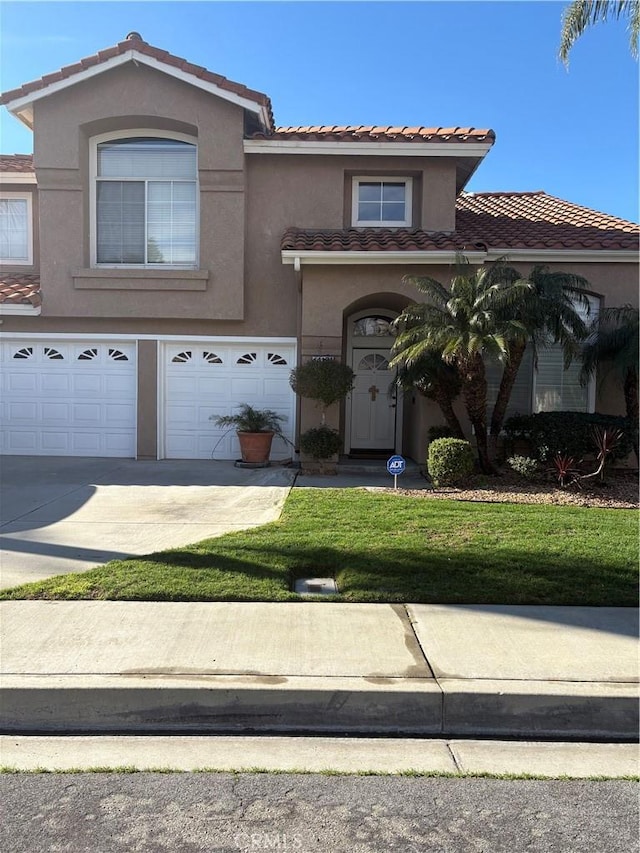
395,466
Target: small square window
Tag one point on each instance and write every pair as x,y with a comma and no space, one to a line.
381,202
16,228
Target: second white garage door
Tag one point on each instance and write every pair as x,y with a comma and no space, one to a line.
204,379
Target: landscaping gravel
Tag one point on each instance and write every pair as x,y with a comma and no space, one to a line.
619,492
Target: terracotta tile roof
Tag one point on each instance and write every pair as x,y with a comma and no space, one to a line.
532,220
381,133
16,162
134,42
17,289
541,221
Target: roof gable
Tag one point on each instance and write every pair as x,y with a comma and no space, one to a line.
19,101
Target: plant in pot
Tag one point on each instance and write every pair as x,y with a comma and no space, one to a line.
326,381
255,428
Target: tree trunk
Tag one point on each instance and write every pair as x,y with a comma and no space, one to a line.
475,398
509,374
444,401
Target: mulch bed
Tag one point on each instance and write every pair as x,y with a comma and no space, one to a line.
620,491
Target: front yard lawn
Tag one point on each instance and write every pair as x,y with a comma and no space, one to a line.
385,547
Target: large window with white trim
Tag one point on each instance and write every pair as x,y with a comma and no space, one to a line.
378,202
146,202
550,387
16,228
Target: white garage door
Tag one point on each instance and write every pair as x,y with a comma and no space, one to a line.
61,398
204,379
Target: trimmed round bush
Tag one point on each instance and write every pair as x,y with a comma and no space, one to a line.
450,461
320,442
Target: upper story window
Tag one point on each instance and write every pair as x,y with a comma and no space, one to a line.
16,228
382,202
146,202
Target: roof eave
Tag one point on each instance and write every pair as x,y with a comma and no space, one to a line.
22,310
22,107
380,148
329,258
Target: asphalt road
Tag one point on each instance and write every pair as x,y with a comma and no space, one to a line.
109,813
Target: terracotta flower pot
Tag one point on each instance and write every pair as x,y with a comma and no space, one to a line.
255,446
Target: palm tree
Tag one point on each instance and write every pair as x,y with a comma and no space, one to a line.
547,313
613,342
582,14
436,380
464,324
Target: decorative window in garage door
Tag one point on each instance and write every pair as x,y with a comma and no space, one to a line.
24,352
274,358
88,354
248,358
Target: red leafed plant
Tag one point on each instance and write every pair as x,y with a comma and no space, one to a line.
565,469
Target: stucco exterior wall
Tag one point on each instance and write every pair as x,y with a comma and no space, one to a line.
137,98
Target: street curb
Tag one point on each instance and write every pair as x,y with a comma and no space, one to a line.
347,705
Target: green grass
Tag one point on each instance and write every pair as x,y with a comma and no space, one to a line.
383,547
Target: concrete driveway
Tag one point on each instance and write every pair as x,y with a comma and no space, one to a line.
60,515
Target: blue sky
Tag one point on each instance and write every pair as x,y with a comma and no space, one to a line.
486,64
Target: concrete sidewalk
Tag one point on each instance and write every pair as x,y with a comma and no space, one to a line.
443,671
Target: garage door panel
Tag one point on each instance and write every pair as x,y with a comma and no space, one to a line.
51,383
217,379
68,399
57,413
21,384
20,410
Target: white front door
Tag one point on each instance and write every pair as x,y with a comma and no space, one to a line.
373,401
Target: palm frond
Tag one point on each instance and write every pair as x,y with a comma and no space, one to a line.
582,14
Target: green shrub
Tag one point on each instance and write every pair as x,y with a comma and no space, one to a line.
523,465
568,433
450,461
440,431
325,380
320,442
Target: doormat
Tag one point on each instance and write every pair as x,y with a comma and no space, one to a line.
370,454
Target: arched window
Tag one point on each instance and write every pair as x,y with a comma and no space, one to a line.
146,201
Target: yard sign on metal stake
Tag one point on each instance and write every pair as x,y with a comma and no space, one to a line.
395,466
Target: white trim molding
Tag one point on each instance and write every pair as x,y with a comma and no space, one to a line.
293,256
407,201
94,177
328,258
22,107
117,336
7,309
588,256
17,178
381,149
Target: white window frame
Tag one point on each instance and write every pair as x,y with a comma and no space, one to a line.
382,179
134,133
28,197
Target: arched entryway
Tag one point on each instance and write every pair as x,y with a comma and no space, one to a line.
373,412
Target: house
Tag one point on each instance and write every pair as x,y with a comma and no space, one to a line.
168,253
